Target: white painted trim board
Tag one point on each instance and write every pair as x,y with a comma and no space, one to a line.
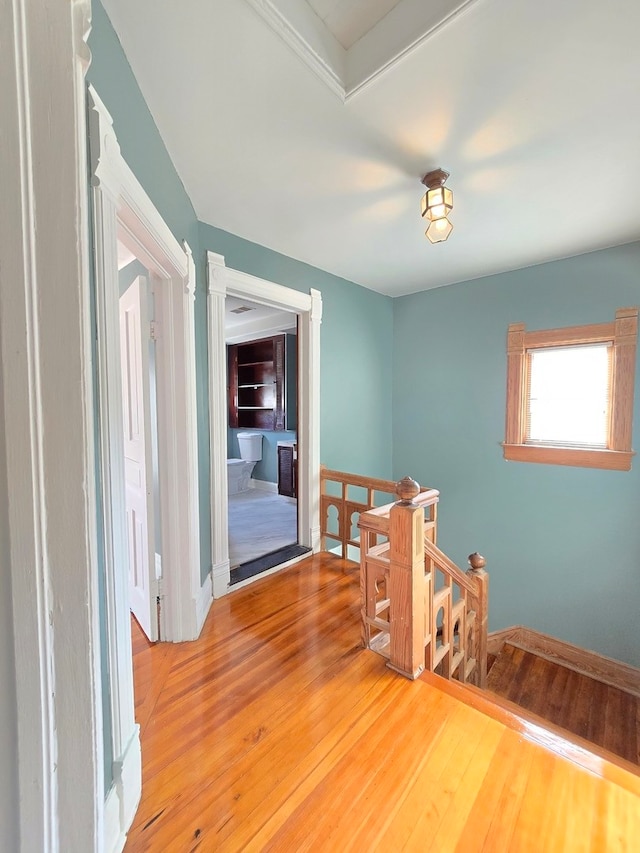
47,433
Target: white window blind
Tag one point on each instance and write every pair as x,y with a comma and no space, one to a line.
568,394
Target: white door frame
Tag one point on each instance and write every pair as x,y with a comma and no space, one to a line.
50,553
223,281
122,210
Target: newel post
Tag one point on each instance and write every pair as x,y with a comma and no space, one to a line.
406,582
476,571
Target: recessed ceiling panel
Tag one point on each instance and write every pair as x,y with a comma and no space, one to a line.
349,20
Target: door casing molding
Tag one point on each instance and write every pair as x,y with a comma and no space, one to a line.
223,281
49,557
123,211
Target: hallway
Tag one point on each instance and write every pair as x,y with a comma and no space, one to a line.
276,731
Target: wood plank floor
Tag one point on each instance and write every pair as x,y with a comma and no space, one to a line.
604,715
276,731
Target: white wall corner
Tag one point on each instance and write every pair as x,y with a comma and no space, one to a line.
203,603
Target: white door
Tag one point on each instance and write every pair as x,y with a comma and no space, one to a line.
136,409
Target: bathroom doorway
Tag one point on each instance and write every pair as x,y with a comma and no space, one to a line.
224,282
262,441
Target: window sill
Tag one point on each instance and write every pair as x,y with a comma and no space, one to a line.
613,460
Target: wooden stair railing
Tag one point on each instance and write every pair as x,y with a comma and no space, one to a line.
349,495
419,610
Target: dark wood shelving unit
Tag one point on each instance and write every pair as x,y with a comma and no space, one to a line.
256,374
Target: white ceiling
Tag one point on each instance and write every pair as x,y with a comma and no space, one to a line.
531,106
245,320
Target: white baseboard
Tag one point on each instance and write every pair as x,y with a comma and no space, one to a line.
315,539
123,798
220,579
263,485
203,603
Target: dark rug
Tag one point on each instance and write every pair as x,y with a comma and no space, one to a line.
267,561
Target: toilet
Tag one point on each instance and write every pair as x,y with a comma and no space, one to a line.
239,471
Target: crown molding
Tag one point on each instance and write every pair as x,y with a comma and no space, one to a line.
347,72
307,37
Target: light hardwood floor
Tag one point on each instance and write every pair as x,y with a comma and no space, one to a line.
276,731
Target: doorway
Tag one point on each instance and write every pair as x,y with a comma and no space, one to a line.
122,212
140,433
222,284
262,394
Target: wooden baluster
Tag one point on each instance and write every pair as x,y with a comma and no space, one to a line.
477,563
368,607
429,620
364,604
406,582
447,629
342,523
324,520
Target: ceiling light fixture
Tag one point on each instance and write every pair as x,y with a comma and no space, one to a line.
437,204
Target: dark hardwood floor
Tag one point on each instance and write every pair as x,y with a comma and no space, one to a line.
604,715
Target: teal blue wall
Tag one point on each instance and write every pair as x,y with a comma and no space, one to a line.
140,142
355,353
356,331
562,544
145,152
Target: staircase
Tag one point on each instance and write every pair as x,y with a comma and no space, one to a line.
425,615
603,714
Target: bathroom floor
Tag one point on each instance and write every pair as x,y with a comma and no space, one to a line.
260,522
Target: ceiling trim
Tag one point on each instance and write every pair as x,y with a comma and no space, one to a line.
348,72
307,35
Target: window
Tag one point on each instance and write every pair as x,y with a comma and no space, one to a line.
570,394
